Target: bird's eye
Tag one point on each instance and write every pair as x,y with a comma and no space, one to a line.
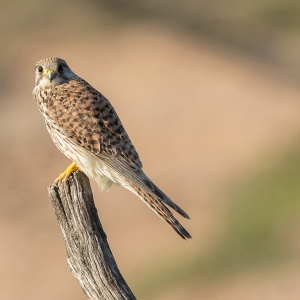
60,68
40,69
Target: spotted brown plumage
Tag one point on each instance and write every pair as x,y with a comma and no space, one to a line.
86,128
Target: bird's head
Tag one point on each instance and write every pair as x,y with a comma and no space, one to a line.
52,71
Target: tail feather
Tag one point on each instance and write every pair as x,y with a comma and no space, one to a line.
161,210
157,192
134,176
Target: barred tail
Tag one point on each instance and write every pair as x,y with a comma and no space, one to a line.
160,209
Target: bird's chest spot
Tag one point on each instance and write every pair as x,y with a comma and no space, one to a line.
44,99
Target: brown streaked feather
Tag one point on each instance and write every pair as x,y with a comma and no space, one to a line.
100,129
139,178
162,211
90,120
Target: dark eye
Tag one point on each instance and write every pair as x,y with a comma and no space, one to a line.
40,69
60,68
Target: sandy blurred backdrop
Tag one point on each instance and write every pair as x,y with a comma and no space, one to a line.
208,92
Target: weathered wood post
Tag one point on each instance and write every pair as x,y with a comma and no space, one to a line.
88,254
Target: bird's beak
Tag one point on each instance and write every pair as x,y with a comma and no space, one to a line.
50,74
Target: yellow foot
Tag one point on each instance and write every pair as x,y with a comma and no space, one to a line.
68,171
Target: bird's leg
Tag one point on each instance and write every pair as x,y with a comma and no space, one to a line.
68,171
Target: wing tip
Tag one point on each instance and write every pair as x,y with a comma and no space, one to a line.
180,230
183,232
182,212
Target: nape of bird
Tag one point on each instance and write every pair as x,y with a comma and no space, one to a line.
86,128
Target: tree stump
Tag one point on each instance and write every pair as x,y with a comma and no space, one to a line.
88,254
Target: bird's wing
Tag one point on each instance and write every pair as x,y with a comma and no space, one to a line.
88,118
138,178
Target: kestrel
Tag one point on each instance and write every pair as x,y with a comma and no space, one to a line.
86,128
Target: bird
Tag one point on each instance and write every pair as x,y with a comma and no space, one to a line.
85,127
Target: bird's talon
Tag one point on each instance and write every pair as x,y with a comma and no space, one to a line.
67,173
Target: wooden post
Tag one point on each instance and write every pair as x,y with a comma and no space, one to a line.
88,254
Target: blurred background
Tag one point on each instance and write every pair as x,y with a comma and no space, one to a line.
209,94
